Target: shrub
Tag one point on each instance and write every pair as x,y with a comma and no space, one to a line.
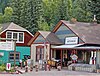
2,67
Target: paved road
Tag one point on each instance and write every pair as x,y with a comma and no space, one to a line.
54,72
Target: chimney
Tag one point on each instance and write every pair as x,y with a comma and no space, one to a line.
73,20
94,20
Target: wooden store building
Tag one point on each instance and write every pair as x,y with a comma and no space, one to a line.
79,42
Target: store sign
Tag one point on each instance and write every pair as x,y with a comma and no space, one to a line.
71,40
8,46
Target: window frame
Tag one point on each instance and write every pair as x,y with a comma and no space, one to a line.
18,41
39,55
17,53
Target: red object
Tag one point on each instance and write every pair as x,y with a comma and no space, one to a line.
8,66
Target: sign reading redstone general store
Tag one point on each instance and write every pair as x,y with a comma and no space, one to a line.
71,40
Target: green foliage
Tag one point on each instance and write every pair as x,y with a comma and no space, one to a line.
1,17
7,14
6,17
27,13
43,25
2,67
3,5
95,8
42,14
80,10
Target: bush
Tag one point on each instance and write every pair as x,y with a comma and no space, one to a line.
2,67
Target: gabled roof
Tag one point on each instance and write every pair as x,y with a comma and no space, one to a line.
48,36
87,32
12,26
53,39
44,33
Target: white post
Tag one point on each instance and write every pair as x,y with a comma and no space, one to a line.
91,57
95,57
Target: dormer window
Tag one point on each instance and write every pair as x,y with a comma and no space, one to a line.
15,35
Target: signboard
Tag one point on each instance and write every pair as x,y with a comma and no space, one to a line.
20,61
7,46
74,57
8,66
40,61
29,61
71,40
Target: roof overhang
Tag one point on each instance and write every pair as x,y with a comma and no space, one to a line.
76,46
65,46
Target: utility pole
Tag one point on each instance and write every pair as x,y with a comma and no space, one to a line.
14,53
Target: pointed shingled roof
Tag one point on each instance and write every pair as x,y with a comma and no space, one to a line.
12,26
50,37
87,32
53,39
44,33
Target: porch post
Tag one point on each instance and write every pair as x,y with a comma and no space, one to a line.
61,57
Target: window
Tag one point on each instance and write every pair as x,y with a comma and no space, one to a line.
20,36
39,53
9,34
11,56
16,35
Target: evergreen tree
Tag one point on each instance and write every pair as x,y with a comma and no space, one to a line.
80,10
27,13
34,13
3,5
17,10
95,9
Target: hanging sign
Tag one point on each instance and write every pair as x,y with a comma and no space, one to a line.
8,66
8,46
74,57
71,40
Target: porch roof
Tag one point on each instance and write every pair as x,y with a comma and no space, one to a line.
65,46
76,46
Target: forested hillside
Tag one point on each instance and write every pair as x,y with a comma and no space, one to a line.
44,14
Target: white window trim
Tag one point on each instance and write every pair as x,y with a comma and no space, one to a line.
17,36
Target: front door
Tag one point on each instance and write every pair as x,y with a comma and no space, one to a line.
58,52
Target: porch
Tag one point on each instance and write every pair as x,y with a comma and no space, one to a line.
86,54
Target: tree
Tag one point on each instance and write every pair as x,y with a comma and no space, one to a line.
80,10
7,14
43,25
95,9
1,18
50,9
3,5
17,10
6,17
27,13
